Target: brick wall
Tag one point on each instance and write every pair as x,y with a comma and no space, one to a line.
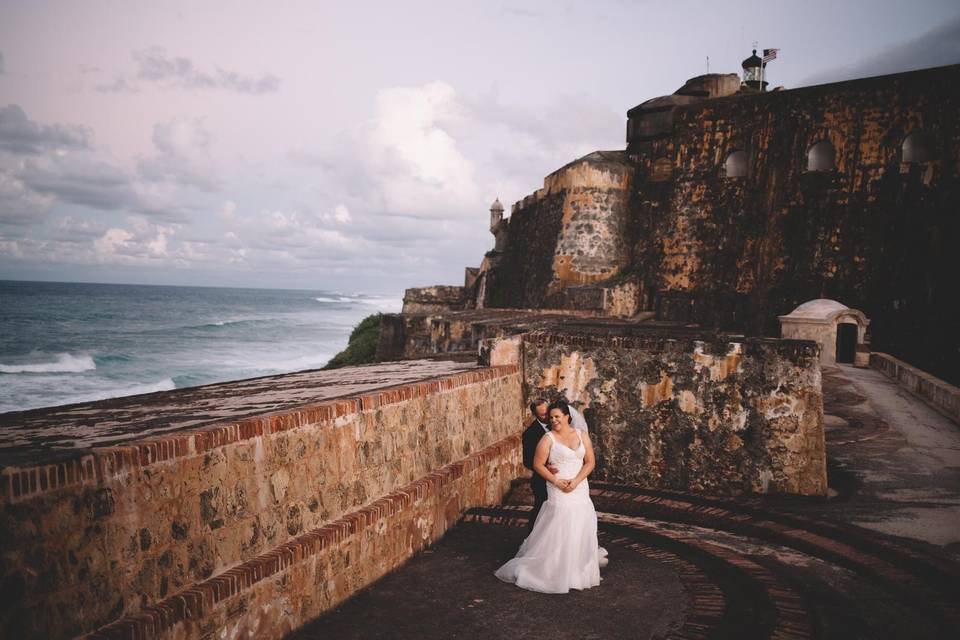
87,541
270,595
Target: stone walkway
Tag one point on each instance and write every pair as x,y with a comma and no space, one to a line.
46,435
879,559
896,460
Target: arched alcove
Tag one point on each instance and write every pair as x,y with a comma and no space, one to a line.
918,147
735,166
821,157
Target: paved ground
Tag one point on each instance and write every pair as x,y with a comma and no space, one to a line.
901,456
879,559
44,435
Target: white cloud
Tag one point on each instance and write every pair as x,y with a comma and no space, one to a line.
143,242
341,214
112,240
182,155
19,205
412,156
11,248
70,229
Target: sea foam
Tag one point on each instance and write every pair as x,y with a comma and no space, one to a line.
167,384
64,363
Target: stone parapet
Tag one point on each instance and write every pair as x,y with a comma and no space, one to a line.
942,396
435,299
277,592
707,413
90,540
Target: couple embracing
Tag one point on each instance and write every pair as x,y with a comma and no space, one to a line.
560,552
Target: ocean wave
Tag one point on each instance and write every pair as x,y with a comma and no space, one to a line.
335,299
385,304
221,323
167,384
287,365
224,323
64,363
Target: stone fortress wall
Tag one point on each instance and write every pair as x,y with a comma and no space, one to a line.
722,416
875,230
560,240
181,533
730,207
260,525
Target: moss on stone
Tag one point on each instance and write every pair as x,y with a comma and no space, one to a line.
362,346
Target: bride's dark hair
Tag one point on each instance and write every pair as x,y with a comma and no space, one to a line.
560,404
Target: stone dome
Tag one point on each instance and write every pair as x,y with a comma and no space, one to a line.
496,206
821,309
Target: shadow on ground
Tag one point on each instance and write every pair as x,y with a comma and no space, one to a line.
875,560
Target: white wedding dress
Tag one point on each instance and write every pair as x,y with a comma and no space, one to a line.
561,553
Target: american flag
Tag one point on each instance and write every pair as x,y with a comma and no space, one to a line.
769,54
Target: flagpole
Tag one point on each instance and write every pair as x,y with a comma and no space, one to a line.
763,68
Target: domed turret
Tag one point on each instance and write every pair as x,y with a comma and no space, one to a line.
496,215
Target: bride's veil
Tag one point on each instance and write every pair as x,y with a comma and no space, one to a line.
577,421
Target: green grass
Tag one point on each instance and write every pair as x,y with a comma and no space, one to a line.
362,346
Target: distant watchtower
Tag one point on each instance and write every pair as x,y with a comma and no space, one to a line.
753,72
496,215
497,226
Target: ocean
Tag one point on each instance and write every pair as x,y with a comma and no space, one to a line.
62,343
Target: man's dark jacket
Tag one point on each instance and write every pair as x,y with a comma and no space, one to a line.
531,438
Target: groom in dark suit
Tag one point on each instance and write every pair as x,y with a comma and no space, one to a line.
531,438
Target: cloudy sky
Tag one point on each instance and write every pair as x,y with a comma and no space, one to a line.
355,145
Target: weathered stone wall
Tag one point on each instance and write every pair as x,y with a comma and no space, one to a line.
571,232
434,299
718,415
275,593
459,333
593,241
940,395
83,544
524,269
875,233
622,299
734,252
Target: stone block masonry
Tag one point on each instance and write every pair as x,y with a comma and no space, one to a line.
87,541
277,592
692,413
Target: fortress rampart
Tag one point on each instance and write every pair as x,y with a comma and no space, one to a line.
259,524
730,207
689,413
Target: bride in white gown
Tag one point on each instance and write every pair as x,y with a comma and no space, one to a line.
561,553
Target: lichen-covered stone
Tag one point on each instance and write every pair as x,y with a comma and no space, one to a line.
697,414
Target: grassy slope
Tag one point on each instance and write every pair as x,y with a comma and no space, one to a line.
362,346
